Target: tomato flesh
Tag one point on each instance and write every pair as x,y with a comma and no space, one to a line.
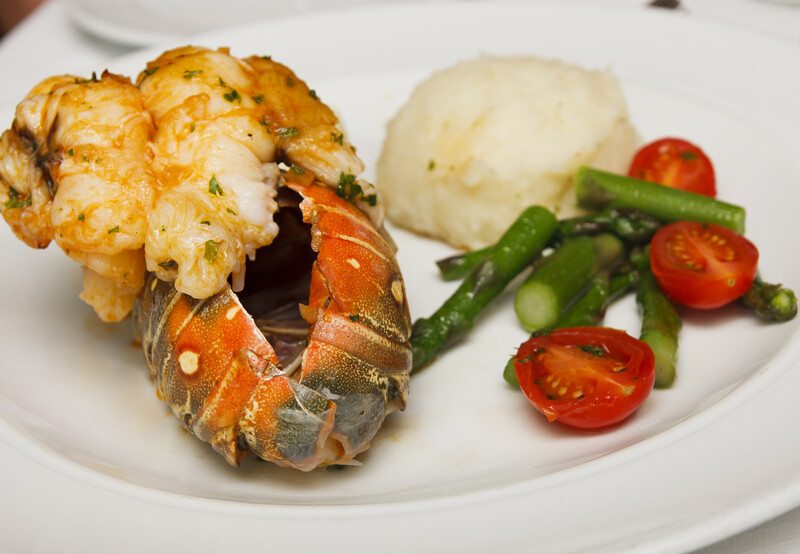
675,163
585,377
702,265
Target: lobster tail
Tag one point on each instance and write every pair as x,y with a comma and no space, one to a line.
224,380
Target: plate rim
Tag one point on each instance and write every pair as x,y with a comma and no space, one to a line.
753,385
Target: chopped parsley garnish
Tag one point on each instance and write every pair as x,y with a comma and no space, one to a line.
211,251
169,264
230,211
70,152
113,230
348,188
14,200
354,317
266,57
337,137
205,222
94,77
352,191
189,73
288,131
214,188
297,170
688,156
81,217
258,98
150,70
594,350
313,94
232,96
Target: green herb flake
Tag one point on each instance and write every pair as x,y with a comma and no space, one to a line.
297,170
169,264
288,131
431,165
113,230
266,58
211,251
205,222
70,152
230,211
258,98
354,317
313,94
189,73
222,83
232,96
15,200
150,70
94,77
593,349
688,156
214,188
347,187
81,217
289,82
371,199
338,138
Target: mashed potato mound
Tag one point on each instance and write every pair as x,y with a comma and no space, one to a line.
477,143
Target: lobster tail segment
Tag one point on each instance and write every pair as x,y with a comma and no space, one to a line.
358,351
214,366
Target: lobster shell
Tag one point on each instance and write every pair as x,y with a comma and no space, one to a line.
223,379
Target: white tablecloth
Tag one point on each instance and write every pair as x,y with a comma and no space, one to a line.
47,43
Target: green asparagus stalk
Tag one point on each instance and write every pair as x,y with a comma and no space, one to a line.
598,190
773,302
661,323
523,241
459,266
590,308
632,226
559,279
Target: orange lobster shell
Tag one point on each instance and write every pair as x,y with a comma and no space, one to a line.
223,379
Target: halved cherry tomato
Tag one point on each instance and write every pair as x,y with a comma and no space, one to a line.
702,265
675,163
585,377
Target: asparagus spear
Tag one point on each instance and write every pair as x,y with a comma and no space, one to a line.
773,302
560,278
522,242
460,265
589,308
660,322
598,190
632,226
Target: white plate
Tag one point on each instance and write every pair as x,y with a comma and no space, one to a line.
469,465
147,22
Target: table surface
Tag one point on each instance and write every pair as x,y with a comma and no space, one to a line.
47,43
